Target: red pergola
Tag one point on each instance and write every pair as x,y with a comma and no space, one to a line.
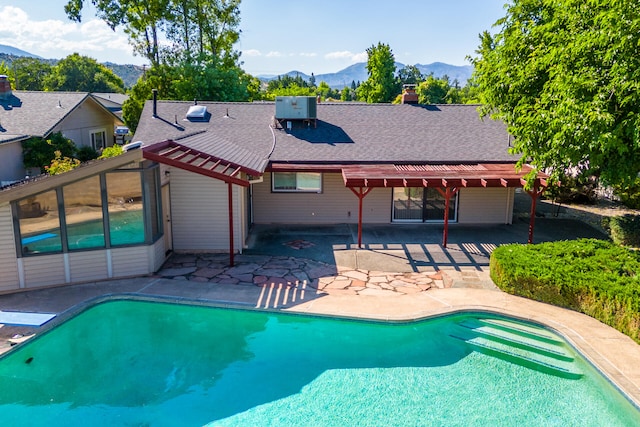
182,157
446,179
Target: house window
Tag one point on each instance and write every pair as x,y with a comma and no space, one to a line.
300,182
98,139
116,208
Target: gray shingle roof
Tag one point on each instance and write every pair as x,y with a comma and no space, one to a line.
345,133
31,113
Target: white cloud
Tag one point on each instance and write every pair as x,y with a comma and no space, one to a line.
345,54
57,39
309,54
251,52
360,57
274,54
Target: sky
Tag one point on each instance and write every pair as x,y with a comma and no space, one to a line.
278,36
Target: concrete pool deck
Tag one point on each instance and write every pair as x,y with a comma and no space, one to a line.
312,287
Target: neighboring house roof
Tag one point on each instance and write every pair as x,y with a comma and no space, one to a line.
29,113
111,100
345,133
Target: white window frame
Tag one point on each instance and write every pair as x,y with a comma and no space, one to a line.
297,188
92,138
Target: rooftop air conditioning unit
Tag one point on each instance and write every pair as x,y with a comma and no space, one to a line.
296,108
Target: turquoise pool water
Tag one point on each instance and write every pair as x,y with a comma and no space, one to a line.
160,364
126,228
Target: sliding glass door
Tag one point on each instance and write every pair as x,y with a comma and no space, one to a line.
417,204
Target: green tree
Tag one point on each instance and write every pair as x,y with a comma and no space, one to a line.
141,20
563,75
207,82
40,152
433,90
381,86
30,73
83,74
410,75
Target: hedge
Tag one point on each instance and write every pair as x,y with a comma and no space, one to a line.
624,230
595,277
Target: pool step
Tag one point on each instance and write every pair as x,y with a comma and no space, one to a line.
518,343
517,338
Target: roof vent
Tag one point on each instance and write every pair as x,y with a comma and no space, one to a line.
296,108
197,113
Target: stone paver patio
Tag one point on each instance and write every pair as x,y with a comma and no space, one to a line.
290,273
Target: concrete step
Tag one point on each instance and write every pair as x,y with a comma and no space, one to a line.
522,339
518,343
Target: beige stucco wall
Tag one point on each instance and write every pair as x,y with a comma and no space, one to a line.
200,215
485,205
336,204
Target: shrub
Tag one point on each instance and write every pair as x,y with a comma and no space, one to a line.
113,151
592,276
629,195
39,153
624,230
61,164
86,153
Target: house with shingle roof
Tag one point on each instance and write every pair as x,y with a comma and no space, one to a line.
26,114
343,163
204,172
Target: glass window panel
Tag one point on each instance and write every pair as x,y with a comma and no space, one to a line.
83,214
435,206
151,203
297,181
126,218
39,224
407,204
308,181
284,181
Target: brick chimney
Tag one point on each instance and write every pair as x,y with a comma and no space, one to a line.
409,95
5,87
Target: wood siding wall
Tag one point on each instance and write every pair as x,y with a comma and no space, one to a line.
11,166
336,204
485,206
131,261
74,267
200,215
8,261
88,266
44,270
86,118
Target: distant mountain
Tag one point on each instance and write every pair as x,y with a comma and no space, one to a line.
127,72
358,73
10,50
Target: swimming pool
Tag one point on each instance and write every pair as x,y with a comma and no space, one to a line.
151,363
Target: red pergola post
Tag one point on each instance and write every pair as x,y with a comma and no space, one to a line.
230,194
447,193
534,193
361,193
